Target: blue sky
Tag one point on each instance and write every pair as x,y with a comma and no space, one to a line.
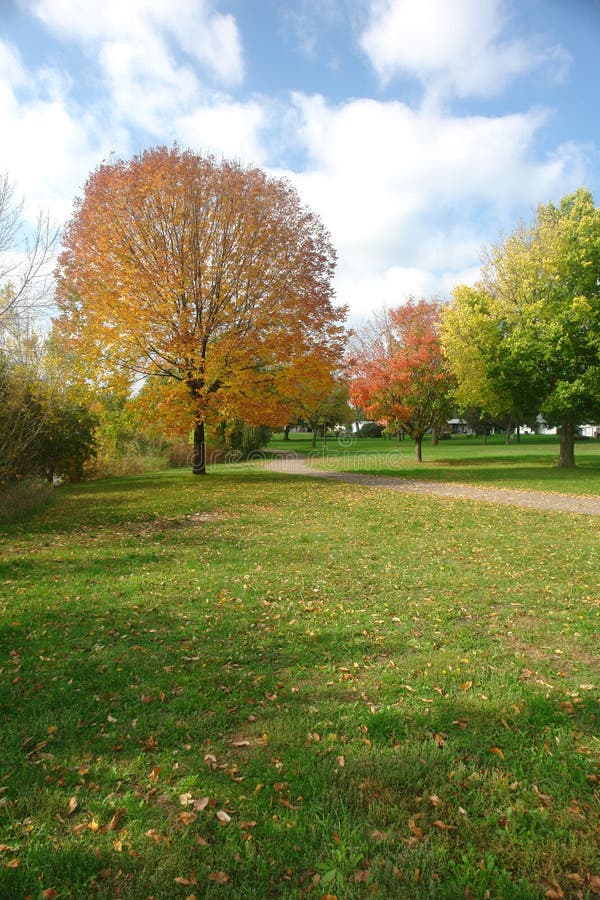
419,130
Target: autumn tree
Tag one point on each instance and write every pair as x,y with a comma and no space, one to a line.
206,273
531,327
399,373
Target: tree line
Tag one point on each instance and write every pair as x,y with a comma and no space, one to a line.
196,295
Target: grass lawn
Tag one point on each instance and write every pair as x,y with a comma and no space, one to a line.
531,464
257,686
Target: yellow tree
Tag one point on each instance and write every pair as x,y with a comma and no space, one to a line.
209,273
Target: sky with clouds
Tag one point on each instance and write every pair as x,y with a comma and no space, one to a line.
419,130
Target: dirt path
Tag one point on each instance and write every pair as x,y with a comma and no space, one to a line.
296,465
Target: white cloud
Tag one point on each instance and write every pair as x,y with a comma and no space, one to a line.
209,38
225,128
457,47
156,57
48,147
411,196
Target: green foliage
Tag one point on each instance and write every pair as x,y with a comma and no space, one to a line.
43,429
371,430
527,339
127,442
239,440
66,441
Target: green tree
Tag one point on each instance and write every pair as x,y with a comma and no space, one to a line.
529,334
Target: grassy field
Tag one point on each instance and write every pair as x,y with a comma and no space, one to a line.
257,686
531,464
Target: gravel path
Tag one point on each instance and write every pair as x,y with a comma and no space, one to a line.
573,503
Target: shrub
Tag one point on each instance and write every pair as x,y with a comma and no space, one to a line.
371,430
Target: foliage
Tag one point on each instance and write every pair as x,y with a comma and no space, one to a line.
65,442
44,428
239,440
399,374
127,443
215,276
529,334
371,430
262,699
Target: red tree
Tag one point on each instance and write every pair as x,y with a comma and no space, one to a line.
399,373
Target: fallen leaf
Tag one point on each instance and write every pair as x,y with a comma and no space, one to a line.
186,799
153,776
73,804
435,800
223,817
114,822
439,824
49,894
415,830
187,817
12,863
594,884
219,877
497,751
361,876
201,803
379,835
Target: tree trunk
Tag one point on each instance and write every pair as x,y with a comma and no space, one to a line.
485,436
325,435
435,435
199,458
286,433
418,449
566,459
518,434
314,436
508,431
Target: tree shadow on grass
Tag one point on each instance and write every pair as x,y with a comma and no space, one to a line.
143,689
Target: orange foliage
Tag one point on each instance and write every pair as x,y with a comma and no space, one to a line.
213,275
398,371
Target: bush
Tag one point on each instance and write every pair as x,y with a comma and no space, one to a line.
239,438
371,430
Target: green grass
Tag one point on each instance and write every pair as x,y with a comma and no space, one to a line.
531,464
387,694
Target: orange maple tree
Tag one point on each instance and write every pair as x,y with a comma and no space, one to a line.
210,274
398,372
